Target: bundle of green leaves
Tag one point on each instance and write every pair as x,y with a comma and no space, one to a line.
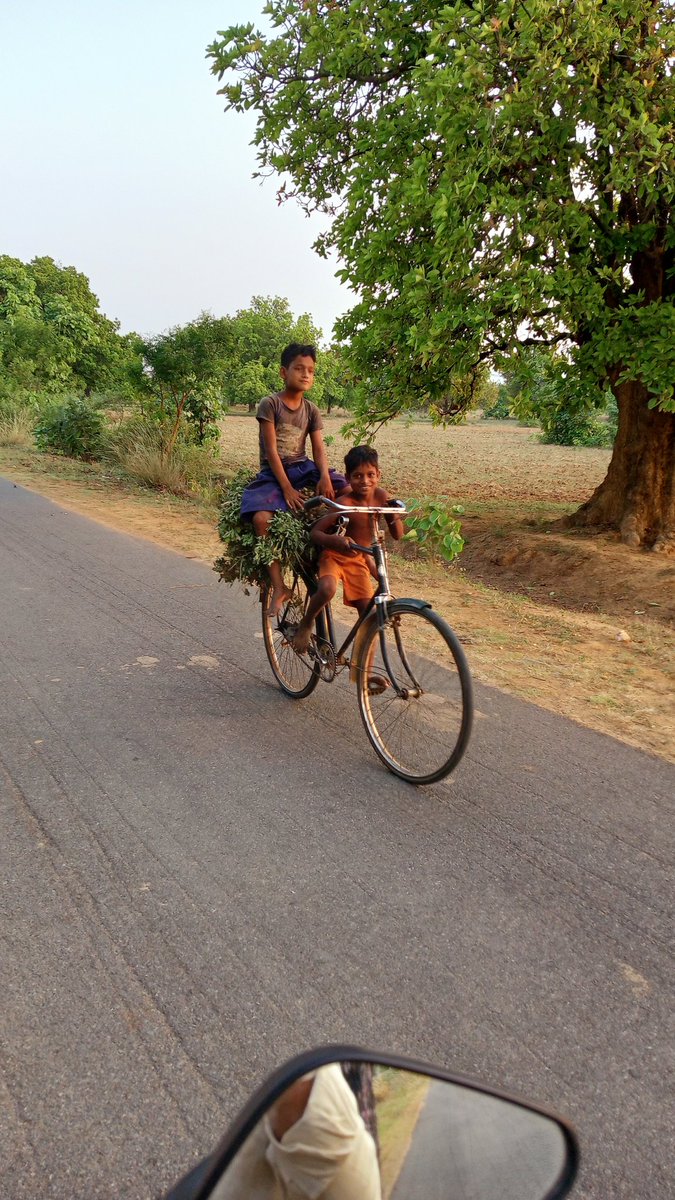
247,556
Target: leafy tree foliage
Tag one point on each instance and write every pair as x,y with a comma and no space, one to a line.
335,386
464,393
538,387
52,335
183,371
498,173
498,406
259,334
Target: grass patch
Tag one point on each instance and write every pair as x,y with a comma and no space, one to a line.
156,470
16,427
400,1096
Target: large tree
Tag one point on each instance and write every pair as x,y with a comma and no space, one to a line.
184,370
52,333
497,174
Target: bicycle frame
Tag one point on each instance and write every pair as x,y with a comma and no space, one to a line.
325,624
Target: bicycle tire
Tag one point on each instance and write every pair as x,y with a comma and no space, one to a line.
296,676
420,727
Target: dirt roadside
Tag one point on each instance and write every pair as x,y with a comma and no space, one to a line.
574,626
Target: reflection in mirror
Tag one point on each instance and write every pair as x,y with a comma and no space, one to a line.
356,1131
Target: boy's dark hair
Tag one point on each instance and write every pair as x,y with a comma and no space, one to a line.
359,456
296,350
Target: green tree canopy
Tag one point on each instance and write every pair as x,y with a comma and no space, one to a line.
184,370
498,174
259,334
52,333
335,386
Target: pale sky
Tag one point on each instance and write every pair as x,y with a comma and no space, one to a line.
116,157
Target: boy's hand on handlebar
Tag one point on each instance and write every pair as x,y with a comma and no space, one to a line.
345,545
294,499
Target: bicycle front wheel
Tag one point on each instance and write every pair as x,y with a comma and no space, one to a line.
296,675
415,694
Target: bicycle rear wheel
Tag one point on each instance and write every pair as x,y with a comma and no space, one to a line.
296,675
415,694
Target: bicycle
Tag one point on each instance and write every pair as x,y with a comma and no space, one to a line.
413,681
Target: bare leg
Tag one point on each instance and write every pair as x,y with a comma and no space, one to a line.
322,596
280,593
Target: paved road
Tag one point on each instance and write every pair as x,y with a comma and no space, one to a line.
201,877
469,1146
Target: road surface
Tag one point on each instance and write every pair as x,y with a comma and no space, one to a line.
201,877
469,1146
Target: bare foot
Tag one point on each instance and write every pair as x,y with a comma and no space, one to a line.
279,597
301,639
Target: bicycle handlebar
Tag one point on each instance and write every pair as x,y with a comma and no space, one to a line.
397,508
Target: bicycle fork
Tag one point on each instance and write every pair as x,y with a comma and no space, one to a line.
403,692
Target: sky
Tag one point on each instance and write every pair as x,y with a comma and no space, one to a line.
117,158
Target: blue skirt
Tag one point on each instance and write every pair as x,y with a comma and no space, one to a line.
263,493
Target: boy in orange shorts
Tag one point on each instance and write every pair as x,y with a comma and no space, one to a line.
340,559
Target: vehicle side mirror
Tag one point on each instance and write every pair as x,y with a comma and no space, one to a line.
341,1123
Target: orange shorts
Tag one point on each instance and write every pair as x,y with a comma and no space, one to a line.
357,581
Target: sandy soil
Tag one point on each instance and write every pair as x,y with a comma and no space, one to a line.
581,626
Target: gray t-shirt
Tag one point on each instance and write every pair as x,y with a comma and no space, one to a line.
291,424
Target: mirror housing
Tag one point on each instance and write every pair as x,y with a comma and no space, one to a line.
201,1182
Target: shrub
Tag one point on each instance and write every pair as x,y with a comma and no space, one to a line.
126,436
185,469
560,428
612,418
247,556
71,426
138,446
500,410
434,527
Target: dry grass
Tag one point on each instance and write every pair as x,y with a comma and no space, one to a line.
399,1096
138,449
16,427
555,650
154,469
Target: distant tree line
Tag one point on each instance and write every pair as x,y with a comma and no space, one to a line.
63,363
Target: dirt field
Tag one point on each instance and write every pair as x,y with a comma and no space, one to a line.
581,626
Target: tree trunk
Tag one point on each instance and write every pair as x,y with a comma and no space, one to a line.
637,496
173,436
